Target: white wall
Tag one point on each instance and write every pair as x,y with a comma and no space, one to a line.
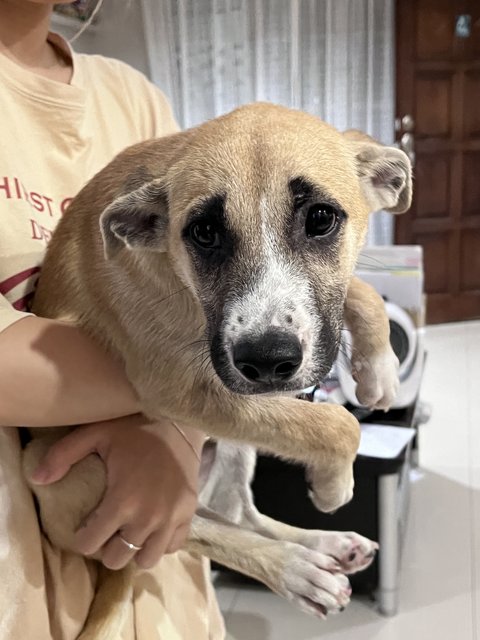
118,33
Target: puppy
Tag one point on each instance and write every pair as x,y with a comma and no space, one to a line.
243,232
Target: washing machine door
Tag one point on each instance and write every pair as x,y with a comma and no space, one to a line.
403,337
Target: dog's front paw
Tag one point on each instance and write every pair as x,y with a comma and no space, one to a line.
313,581
377,379
329,492
352,551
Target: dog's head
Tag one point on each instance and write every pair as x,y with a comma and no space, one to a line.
262,213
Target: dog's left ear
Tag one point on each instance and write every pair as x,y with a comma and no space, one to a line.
385,173
137,220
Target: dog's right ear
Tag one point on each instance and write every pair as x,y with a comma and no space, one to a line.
137,220
385,173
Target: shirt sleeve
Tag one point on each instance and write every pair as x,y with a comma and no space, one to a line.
9,315
163,119
149,107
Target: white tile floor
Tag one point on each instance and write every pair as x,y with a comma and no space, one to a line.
440,576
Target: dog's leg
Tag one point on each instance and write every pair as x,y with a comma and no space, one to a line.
352,551
227,492
374,363
324,436
308,578
227,489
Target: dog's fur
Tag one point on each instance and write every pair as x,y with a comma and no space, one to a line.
174,313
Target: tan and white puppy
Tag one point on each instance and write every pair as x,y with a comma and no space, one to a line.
218,260
221,268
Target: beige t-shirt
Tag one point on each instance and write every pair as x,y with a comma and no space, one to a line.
53,138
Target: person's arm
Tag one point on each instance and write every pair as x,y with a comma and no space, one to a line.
52,374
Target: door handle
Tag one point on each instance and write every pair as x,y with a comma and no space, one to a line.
407,139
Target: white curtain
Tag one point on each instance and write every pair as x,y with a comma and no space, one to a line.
332,58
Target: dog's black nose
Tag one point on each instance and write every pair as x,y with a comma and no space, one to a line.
272,357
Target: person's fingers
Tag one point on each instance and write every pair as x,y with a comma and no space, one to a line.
117,552
154,548
63,454
100,525
178,539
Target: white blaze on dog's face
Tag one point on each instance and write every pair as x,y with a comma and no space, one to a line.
267,210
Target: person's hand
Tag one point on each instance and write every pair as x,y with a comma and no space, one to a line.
151,491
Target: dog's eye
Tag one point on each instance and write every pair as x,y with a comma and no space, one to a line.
205,235
321,220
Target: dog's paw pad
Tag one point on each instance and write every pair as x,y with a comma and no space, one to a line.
357,553
351,552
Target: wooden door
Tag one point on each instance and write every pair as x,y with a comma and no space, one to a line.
438,84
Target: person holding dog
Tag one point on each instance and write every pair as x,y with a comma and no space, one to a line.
64,116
